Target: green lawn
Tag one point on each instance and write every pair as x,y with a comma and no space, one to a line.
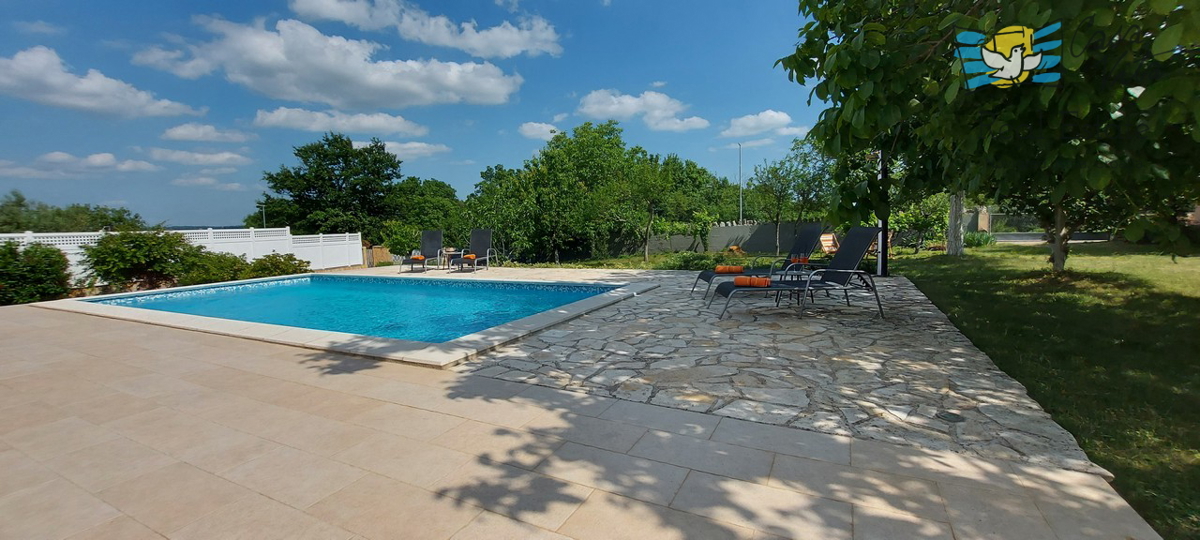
1111,350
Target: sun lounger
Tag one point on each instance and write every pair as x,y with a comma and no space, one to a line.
804,243
431,249
479,252
841,274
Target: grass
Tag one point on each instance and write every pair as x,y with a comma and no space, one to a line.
1111,349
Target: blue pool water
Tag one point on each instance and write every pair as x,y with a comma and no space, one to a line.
430,310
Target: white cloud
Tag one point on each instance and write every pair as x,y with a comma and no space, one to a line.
207,182
38,74
204,132
560,117
217,170
409,150
64,165
531,35
537,130
792,131
198,158
380,123
296,62
753,124
658,84
38,27
511,5
659,111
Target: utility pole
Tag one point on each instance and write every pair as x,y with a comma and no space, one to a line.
741,221
263,207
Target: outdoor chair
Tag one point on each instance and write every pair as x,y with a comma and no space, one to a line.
829,243
841,274
431,249
803,245
478,252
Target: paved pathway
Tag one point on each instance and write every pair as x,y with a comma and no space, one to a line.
840,370
119,430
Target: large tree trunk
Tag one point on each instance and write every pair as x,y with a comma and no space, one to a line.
954,236
1059,235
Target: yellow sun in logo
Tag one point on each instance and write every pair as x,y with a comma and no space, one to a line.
1003,43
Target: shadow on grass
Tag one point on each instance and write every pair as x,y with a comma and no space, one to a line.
1112,357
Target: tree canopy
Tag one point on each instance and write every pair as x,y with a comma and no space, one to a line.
340,188
586,194
19,214
1122,121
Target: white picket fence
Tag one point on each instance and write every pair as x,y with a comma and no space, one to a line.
320,250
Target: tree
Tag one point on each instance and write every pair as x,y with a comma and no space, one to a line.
19,214
1121,121
813,179
336,188
772,188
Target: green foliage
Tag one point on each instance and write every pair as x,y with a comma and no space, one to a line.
210,267
34,273
925,219
339,188
385,263
978,239
1121,123
18,214
401,238
275,264
689,260
797,187
585,194
151,259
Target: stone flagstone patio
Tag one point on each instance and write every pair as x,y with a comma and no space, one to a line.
839,370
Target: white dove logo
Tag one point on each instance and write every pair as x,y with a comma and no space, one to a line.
1012,66
1004,59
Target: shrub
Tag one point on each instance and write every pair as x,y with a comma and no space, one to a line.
978,239
401,237
275,264
210,267
690,260
152,258
37,272
384,263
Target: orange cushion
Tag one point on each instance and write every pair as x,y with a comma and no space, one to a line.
418,257
729,269
748,281
469,256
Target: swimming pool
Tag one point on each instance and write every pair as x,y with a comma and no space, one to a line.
410,309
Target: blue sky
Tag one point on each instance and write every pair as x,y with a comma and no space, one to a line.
175,109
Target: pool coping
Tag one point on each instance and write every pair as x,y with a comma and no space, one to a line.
438,355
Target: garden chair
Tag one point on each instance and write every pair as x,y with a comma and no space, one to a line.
803,245
431,249
478,252
829,243
841,274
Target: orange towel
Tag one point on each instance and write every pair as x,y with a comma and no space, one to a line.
747,281
469,256
418,257
729,269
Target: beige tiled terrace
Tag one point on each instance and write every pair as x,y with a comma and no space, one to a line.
120,430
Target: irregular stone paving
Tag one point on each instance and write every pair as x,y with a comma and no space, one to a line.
839,370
